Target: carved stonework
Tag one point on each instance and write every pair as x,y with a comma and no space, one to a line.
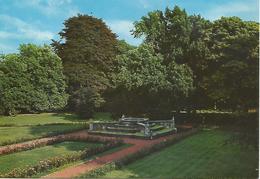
146,130
91,126
173,122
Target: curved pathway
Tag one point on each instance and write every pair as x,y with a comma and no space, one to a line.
73,171
77,170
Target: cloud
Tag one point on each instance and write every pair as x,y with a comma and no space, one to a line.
144,3
50,7
4,48
18,29
229,9
122,28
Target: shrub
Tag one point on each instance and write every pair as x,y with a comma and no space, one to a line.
100,171
220,119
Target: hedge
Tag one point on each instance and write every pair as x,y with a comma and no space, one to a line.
50,163
220,119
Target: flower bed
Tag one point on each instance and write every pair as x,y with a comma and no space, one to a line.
50,163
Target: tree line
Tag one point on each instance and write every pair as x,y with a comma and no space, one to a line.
185,62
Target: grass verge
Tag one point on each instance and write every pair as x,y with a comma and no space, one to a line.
206,155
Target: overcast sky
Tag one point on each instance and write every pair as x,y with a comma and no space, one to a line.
38,21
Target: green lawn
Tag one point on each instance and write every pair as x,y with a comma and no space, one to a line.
203,155
16,134
81,161
32,157
102,116
36,119
32,126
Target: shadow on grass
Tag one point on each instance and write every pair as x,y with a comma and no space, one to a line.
75,146
103,116
56,128
69,117
99,116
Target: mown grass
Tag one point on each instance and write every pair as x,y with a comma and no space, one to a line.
102,116
206,154
11,135
32,157
25,127
82,161
39,119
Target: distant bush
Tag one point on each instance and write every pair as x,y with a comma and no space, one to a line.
220,119
244,125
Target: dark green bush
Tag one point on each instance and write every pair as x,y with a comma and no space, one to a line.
220,119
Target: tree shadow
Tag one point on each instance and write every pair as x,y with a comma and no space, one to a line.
69,117
54,129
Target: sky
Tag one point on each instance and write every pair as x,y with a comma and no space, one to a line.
39,21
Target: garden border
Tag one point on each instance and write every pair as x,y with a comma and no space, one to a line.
59,161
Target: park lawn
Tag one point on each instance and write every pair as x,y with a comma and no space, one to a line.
203,155
11,135
32,126
115,149
102,116
32,157
39,119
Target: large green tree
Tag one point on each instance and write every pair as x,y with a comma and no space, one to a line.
180,38
87,48
31,81
232,74
168,31
145,84
223,55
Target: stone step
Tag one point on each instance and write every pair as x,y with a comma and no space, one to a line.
117,129
157,128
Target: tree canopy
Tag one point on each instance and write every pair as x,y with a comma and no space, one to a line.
88,49
232,72
185,61
150,83
223,55
31,81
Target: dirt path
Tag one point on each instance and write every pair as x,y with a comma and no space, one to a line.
74,171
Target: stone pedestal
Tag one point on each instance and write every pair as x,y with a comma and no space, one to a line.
91,127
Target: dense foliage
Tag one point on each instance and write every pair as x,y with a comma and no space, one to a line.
87,49
232,72
31,81
147,84
184,62
223,54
